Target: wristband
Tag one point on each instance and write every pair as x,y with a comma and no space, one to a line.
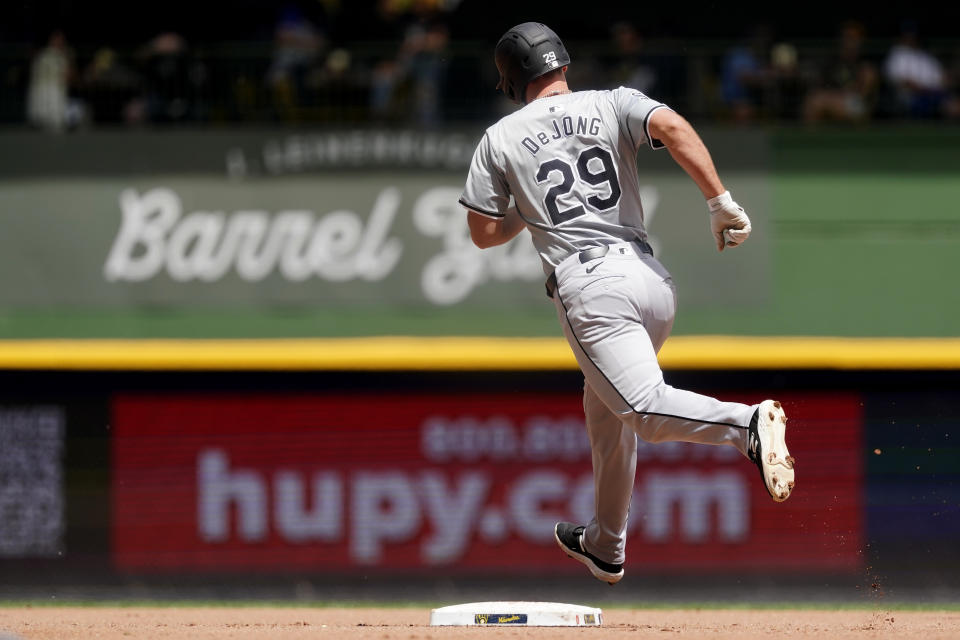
720,201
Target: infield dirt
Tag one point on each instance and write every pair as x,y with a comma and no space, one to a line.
68,623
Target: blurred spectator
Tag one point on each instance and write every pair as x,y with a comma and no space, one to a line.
629,66
172,81
915,76
49,104
412,82
342,86
110,89
745,74
298,43
952,107
659,71
787,83
392,61
846,85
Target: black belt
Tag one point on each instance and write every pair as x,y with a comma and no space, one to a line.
592,254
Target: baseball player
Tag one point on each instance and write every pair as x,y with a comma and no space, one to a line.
564,167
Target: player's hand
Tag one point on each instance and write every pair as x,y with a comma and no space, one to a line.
729,223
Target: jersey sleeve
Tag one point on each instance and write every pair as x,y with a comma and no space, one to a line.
486,191
634,110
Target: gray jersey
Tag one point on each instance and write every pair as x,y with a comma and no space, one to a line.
569,162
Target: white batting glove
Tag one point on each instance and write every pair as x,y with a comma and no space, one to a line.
728,221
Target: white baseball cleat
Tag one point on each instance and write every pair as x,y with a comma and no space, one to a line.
767,448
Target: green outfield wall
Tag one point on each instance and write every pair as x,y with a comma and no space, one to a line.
276,234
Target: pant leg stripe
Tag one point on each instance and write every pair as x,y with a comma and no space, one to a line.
573,332
701,421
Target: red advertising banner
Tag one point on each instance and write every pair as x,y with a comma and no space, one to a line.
468,482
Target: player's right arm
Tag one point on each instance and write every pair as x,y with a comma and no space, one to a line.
490,232
486,196
729,223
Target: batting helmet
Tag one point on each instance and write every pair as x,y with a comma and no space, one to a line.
524,53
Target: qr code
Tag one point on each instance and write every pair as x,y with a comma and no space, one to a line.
31,481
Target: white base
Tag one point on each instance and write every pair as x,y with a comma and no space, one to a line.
530,614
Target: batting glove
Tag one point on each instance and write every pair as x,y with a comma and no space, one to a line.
729,223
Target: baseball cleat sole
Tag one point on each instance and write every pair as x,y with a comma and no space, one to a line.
769,450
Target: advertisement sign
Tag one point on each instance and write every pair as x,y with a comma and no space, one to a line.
359,239
277,230
467,482
32,504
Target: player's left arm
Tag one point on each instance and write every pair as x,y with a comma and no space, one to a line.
729,223
490,232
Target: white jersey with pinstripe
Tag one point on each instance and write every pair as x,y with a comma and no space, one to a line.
569,162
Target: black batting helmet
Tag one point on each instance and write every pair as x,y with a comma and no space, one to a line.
525,52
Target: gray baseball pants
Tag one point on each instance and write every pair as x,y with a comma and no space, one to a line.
617,311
